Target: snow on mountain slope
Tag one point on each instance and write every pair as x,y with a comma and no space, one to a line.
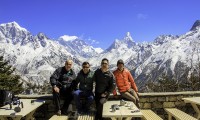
172,58
36,57
78,47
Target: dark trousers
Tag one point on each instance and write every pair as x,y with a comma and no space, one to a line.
66,94
99,107
89,97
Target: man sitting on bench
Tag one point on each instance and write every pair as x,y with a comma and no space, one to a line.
61,81
84,79
125,83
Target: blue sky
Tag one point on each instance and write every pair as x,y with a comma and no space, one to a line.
102,20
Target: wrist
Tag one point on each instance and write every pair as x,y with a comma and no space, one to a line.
54,86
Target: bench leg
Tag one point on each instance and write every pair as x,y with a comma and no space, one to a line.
196,109
30,115
143,118
169,117
128,118
17,118
114,118
3,118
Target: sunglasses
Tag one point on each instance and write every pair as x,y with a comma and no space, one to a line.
85,67
103,63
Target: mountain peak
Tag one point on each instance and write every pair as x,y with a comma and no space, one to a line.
128,37
68,38
126,43
196,25
13,24
128,34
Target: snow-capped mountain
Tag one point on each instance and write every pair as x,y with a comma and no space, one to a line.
195,26
36,57
131,52
175,57
78,47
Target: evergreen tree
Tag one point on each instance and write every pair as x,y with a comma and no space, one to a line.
164,84
9,81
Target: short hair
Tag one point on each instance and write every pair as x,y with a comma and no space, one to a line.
86,63
67,61
104,59
120,61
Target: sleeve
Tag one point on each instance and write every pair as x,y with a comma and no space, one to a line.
94,77
115,89
55,77
112,84
73,77
133,85
74,83
77,80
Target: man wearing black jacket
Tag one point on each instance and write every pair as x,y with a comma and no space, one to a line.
61,81
85,81
105,84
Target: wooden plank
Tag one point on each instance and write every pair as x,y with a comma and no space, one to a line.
178,114
127,112
195,100
27,108
107,111
86,117
56,117
150,115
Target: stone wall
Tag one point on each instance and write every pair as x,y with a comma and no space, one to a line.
153,101
158,101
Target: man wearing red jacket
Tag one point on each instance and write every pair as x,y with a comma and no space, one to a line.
125,83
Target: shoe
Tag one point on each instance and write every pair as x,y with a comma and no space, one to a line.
138,105
59,113
64,113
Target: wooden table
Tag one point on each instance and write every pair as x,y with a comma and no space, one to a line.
194,101
27,111
123,112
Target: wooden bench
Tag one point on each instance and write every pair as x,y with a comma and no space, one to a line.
56,117
86,117
150,115
178,114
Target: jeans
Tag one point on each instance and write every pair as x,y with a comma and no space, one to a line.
87,95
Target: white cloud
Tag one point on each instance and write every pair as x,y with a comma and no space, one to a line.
141,16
